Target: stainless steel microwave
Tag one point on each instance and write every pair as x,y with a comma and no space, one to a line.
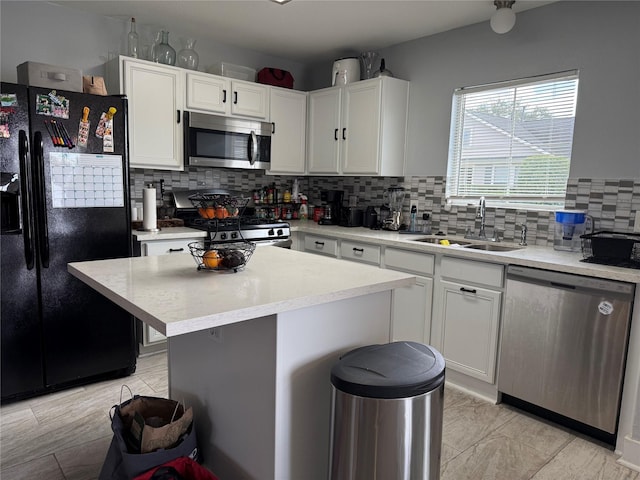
216,141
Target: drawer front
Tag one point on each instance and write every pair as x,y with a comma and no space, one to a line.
361,252
414,262
316,244
166,247
490,274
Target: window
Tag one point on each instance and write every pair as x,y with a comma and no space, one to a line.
511,142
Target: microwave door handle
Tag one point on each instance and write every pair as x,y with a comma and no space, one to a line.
253,146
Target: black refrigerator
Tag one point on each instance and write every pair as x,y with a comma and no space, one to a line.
63,200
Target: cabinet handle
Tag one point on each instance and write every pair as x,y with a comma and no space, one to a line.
235,98
173,250
224,96
320,244
344,133
468,290
358,250
335,134
273,128
178,116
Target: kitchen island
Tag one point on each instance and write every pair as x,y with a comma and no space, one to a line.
251,351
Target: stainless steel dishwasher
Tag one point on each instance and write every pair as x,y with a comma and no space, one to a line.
564,344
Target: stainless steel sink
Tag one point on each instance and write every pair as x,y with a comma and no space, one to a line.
492,247
437,240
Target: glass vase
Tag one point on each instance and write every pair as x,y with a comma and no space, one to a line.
188,57
164,53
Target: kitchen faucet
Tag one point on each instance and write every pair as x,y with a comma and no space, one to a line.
481,213
523,235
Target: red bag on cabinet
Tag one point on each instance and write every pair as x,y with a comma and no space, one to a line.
275,77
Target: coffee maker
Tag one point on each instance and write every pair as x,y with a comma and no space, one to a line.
333,206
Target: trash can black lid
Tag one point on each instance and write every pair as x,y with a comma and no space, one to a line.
392,370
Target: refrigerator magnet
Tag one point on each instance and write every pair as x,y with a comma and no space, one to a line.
4,125
83,128
104,118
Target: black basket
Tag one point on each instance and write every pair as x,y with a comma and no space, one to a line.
221,257
218,205
611,246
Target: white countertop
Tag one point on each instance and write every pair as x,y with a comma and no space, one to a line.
168,233
171,295
531,256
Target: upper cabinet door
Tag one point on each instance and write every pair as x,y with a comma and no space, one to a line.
249,99
361,128
156,102
209,93
288,140
324,131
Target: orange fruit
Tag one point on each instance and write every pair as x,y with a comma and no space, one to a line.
211,259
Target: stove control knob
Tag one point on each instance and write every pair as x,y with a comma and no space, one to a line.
223,236
270,232
234,235
279,232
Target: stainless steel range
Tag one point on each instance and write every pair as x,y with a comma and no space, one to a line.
245,226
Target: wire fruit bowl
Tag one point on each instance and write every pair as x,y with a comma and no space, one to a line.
222,257
218,205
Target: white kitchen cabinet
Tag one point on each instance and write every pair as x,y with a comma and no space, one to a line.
151,338
360,252
323,131
215,94
358,129
467,310
411,312
288,114
322,245
411,306
156,102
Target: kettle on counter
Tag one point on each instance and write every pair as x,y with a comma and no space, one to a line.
383,72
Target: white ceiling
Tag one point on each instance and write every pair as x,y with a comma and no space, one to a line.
303,30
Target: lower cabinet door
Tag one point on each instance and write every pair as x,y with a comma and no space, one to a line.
411,312
470,318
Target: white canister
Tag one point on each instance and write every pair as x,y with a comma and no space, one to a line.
345,70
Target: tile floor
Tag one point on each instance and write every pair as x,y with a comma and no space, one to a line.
65,436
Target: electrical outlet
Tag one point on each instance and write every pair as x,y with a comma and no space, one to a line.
215,334
636,224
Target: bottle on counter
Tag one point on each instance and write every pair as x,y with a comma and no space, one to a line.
295,192
286,198
304,212
132,40
412,218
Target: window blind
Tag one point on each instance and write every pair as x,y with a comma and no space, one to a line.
511,142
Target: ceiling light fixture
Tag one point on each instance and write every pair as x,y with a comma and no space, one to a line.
281,2
504,17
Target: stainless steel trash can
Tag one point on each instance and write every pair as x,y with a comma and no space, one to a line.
386,413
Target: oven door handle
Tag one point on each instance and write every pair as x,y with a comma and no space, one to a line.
253,147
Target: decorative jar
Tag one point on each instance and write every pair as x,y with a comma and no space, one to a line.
164,53
188,57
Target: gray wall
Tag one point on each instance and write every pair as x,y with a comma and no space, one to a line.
601,39
46,33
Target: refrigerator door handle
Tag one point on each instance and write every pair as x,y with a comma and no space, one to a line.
26,198
40,195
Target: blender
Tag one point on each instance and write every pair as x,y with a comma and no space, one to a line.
394,196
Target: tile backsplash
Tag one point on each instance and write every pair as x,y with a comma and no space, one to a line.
611,202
